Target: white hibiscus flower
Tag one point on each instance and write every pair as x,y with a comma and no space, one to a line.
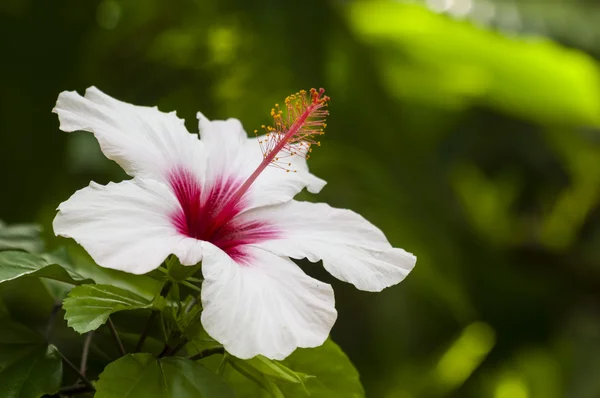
215,200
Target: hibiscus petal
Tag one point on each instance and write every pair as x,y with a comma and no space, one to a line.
264,304
234,155
276,184
223,140
352,249
126,226
142,140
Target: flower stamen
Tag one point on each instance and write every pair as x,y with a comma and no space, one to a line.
294,132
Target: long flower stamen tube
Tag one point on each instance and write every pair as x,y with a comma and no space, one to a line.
292,136
226,200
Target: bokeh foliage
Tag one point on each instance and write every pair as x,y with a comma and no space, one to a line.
471,140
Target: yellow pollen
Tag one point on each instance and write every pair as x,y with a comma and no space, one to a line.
294,127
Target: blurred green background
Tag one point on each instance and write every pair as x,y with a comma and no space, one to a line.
467,130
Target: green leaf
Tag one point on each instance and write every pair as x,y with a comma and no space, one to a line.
200,342
20,237
188,319
272,369
87,307
15,264
56,289
142,285
334,375
29,367
256,376
142,375
178,272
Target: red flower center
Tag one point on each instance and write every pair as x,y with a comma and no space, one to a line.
209,214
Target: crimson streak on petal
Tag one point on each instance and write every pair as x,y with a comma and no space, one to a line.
203,217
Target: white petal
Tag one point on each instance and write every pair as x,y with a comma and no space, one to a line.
266,305
232,154
276,185
142,140
126,226
223,140
352,249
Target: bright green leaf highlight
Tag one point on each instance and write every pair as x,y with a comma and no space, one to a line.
87,307
511,386
142,375
29,367
467,352
15,264
431,58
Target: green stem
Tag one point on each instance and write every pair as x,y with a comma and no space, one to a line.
208,352
191,286
115,335
85,352
165,290
74,390
173,351
81,376
57,306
